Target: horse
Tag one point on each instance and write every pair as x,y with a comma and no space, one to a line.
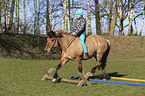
98,47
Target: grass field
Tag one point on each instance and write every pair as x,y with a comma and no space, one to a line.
23,78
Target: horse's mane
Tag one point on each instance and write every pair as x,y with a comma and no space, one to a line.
62,31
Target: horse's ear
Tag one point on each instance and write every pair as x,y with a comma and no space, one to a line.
51,34
58,34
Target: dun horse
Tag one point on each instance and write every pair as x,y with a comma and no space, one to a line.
98,47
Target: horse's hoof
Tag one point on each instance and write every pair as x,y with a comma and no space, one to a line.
54,80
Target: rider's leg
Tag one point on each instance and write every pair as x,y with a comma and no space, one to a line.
82,38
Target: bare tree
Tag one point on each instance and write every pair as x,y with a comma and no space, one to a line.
89,17
97,16
7,9
18,16
11,16
69,9
130,14
24,30
16,13
121,32
51,13
73,14
65,14
0,11
142,20
114,18
109,16
3,15
48,27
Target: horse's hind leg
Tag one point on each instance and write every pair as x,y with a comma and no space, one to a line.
62,62
98,58
105,74
94,68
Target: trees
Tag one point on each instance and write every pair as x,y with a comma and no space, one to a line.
119,16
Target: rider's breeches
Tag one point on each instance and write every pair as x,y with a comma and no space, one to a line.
82,39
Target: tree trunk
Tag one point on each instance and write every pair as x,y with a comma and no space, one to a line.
3,9
24,30
70,20
35,20
0,11
18,18
4,17
121,32
65,14
11,16
114,18
48,28
7,8
89,17
109,18
135,23
50,14
130,13
73,14
97,16
38,19
142,20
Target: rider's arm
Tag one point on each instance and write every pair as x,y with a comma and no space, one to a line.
74,27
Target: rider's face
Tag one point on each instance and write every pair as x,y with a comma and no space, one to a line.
79,16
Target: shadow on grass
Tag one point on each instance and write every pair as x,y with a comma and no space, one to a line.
113,74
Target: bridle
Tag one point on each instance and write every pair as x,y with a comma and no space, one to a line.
53,43
65,47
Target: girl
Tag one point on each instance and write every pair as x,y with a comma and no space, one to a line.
79,28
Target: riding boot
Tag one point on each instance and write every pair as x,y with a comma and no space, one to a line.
86,56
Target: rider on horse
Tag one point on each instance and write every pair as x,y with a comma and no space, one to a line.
79,29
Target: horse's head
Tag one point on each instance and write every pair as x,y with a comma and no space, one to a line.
52,41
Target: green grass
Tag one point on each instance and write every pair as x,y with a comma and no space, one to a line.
23,78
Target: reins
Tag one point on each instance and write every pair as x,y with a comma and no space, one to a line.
66,46
53,43
69,43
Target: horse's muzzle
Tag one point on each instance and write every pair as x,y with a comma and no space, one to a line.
48,51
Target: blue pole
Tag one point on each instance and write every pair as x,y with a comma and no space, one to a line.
114,82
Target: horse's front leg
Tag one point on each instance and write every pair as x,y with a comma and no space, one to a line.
62,62
79,62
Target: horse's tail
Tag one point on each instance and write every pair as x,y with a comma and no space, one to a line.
109,43
104,58
108,49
